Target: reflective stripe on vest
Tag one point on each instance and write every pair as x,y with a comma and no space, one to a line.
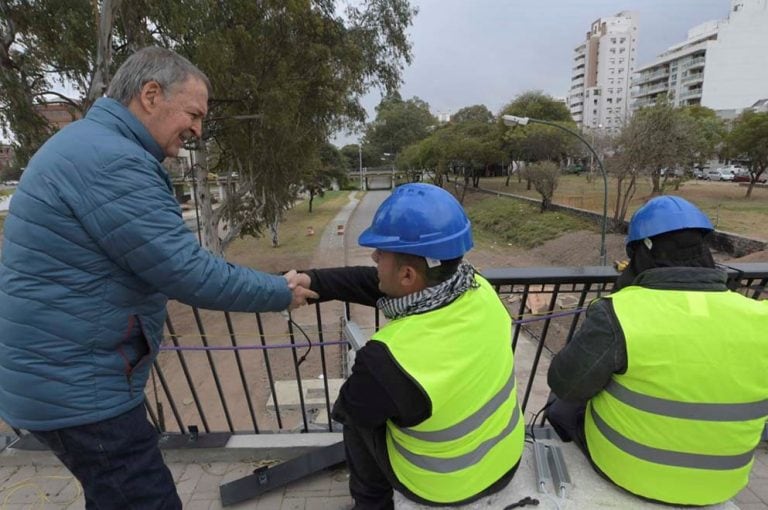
668,457
688,410
469,423
448,465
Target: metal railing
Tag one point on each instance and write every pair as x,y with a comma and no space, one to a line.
221,373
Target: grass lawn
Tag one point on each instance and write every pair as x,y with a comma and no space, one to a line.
723,202
296,247
511,221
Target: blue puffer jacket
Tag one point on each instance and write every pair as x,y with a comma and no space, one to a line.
94,246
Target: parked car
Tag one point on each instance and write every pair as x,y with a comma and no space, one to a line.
698,173
745,177
720,174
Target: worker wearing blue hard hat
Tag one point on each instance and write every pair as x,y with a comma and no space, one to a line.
431,406
663,386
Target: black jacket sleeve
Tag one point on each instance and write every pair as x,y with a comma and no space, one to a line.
355,284
379,390
597,350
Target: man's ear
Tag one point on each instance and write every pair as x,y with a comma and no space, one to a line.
150,95
411,279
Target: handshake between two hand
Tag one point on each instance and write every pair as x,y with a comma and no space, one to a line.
299,284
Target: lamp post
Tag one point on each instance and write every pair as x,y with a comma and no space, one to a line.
360,164
512,120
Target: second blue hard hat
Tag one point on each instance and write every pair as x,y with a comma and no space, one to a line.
666,214
420,219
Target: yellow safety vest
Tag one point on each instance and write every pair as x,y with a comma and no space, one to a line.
461,356
681,425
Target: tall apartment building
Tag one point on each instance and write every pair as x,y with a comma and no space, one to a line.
722,64
602,68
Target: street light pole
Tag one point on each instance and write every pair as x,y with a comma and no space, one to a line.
512,120
360,163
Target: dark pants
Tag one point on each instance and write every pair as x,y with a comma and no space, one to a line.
567,418
371,479
117,461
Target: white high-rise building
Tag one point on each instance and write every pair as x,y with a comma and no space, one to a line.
722,64
602,67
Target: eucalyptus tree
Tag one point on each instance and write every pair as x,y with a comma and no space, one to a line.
399,123
285,75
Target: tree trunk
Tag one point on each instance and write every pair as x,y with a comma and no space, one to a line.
655,177
100,78
209,224
311,199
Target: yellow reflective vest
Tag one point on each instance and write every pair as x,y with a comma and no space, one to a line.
461,356
681,425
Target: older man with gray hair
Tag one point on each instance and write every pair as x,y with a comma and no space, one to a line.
94,246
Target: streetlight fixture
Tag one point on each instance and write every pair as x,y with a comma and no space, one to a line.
513,120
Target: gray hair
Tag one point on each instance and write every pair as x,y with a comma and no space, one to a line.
164,66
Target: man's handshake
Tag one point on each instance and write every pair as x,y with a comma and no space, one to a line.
299,284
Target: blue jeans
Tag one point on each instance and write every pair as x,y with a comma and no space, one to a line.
117,461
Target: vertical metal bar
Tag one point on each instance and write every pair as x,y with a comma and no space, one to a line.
270,377
185,369
322,362
302,405
520,315
576,316
238,360
540,348
169,397
216,380
759,291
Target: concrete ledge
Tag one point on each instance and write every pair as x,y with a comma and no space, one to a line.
588,489
257,448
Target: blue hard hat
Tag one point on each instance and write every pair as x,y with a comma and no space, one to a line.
666,214
420,219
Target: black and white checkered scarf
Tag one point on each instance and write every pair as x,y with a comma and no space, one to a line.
430,298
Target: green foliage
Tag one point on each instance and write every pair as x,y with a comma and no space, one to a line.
537,105
476,113
399,124
748,140
296,68
518,223
536,142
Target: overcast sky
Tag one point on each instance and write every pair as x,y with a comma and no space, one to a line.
470,52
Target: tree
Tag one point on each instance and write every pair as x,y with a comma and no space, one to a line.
296,70
749,140
545,176
323,171
657,141
398,124
660,138
48,43
537,142
476,113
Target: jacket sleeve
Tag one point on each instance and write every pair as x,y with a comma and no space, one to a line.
597,350
378,390
355,284
135,219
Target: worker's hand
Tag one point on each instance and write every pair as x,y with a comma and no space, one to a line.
299,284
620,265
